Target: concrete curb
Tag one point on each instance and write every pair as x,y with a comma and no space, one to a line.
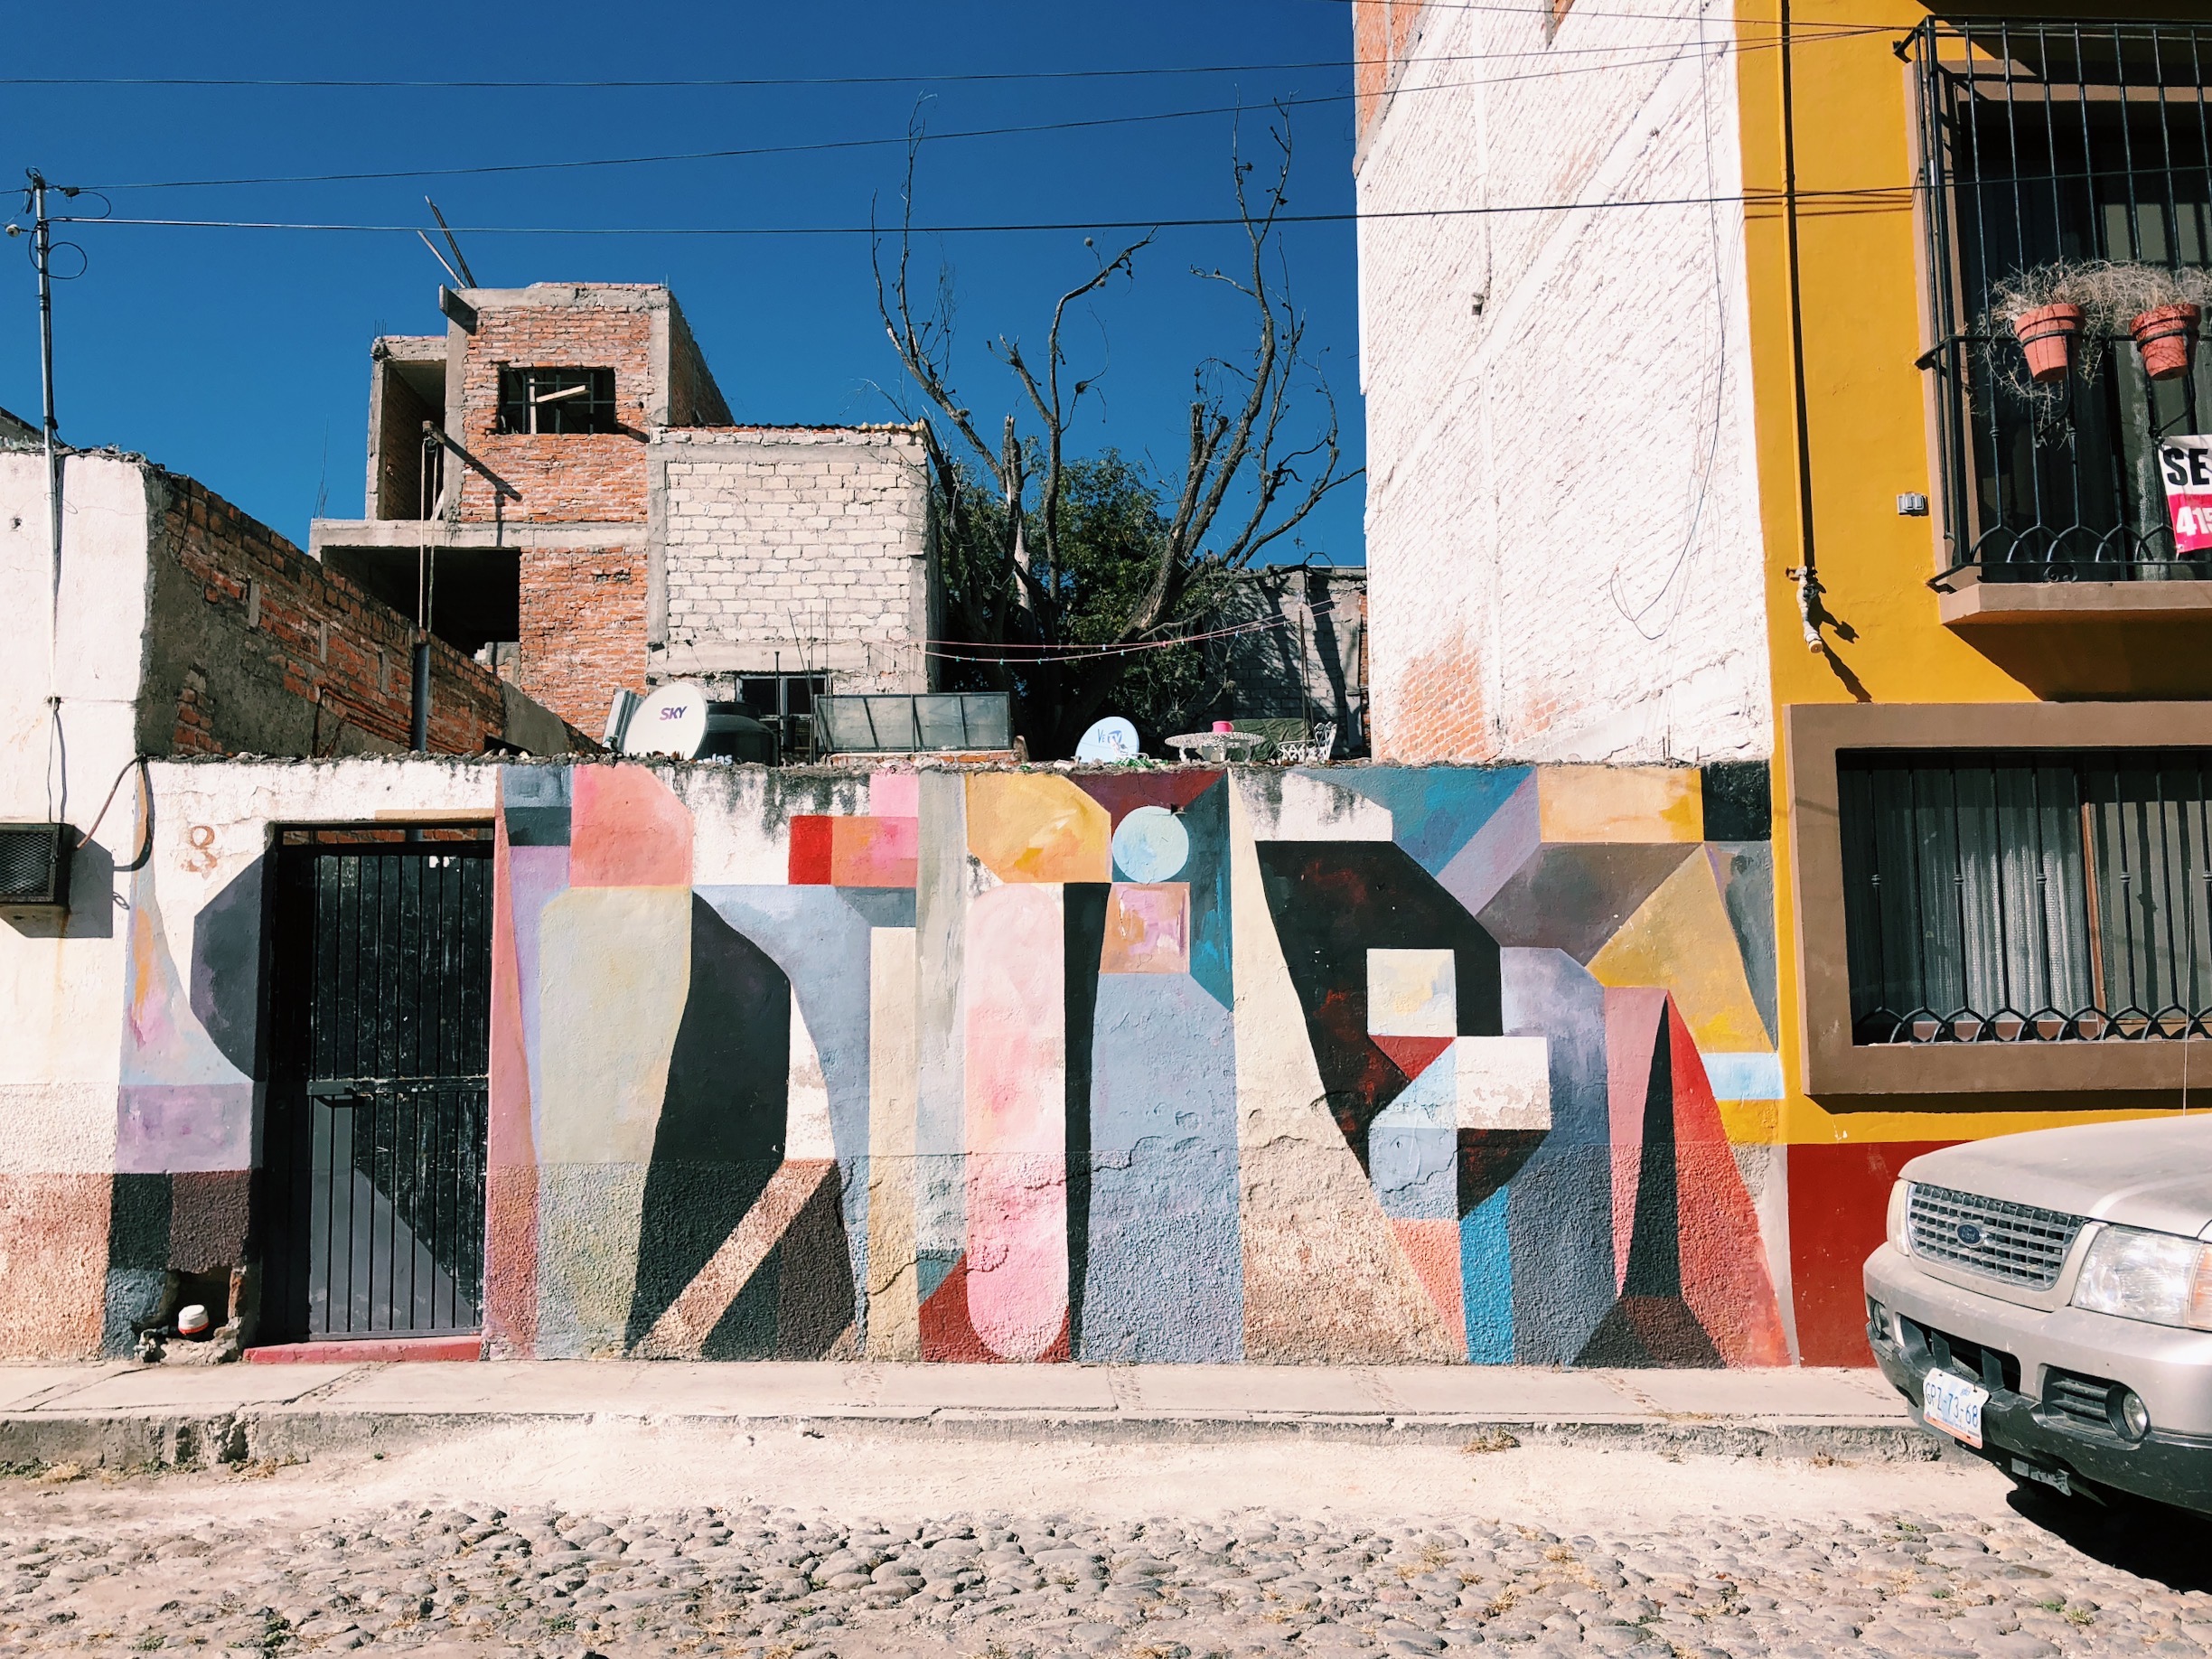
189,1440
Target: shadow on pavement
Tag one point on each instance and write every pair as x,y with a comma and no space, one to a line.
2172,1547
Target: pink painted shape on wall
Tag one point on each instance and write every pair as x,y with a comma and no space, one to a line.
1632,1026
894,794
1148,929
1433,1248
874,852
627,829
1015,1052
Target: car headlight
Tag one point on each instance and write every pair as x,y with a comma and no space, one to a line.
2159,1278
1900,1206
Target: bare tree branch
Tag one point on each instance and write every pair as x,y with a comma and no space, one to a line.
1237,445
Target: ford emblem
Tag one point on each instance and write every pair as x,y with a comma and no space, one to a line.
1968,1233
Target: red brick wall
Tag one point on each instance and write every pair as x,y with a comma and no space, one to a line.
560,477
583,628
694,399
257,649
1381,32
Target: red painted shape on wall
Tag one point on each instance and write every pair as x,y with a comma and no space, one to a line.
1839,1195
947,1334
627,829
1121,794
1411,1054
1724,1272
812,841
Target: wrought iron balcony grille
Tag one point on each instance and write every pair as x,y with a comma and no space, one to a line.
2042,142
2013,896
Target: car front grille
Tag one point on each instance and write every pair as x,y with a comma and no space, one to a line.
2082,1401
2016,1243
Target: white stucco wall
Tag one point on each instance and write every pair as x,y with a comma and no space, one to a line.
1562,535
62,978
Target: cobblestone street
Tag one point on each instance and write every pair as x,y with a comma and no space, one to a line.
336,1557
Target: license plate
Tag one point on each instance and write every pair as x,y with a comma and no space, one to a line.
1953,1405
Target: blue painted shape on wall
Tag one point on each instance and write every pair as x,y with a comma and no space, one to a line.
821,943
1485,1272
1164,1278
1435,810
1754,1076
1207,821
1413,1147
1559,1209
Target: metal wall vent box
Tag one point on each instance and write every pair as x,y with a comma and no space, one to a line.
35,861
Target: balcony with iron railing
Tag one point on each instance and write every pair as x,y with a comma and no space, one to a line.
2072,160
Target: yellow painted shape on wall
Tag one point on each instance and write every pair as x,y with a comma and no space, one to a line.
1028,826
1751,1123
895,1313
1805,1122
614,967
1619,804
1681,940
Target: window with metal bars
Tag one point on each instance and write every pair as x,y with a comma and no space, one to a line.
555,400
2011,897
2044,142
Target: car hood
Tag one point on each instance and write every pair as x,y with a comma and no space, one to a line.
2151,1172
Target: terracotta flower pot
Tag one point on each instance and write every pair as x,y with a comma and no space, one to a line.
2167,337
2048,334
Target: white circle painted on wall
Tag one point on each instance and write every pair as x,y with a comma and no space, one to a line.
1151,845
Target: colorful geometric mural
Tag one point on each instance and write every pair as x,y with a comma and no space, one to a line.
1359,1064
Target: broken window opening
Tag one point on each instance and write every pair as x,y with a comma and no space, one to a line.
543,402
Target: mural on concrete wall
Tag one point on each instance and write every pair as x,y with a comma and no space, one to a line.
1355,1064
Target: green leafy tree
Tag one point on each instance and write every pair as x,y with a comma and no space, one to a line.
1068,579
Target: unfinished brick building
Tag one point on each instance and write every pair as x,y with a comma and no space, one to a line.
555,486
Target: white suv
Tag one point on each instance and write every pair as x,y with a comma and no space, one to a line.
2047,1299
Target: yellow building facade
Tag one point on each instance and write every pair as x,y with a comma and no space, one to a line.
1983,655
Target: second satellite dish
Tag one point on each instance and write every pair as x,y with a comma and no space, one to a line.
671,720
1111,739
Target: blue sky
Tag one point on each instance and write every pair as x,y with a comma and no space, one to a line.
241,356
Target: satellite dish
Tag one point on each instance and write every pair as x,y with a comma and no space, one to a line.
671,720
1111,739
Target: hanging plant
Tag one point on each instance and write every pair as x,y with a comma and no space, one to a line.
2161,309
2064,312
2047,311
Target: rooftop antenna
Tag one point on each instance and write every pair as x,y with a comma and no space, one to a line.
440,257
468,276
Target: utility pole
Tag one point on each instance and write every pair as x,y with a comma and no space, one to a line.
42,258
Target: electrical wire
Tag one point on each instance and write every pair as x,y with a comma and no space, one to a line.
770,82
964,651
1897,194
820,146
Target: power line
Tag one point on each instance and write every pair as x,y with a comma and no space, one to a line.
823,145
769,82
1773,197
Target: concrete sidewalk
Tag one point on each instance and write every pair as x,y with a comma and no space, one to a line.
126,1415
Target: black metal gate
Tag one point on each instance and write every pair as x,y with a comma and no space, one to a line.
375,1158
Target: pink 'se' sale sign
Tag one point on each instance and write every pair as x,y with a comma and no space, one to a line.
2187,463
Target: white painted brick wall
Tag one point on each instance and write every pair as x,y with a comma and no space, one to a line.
1564,545
808,541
